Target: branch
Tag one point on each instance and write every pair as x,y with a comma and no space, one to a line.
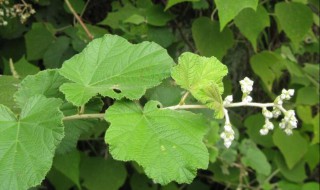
186,107
84,116
90,36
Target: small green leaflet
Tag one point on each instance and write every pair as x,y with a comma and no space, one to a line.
202,76
228,9
111,66
28,143
10,84
166,143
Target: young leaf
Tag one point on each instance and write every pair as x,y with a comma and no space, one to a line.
203,78
166,143
9,86
28,143
111,66
251,23
45,82
295,19
209,40
228,9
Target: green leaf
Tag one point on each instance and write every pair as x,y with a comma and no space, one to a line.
28,143
38,40
313,155
24,68
171,3
251,23
111,66
69,166
253,157
228,9
115,18
203,78
292,147
166,93
100,174
166,143
204,30
162,36
307,96
295,174
54,56
10,84
295,19
254,123
156,16
58,180
268,66
141,182
316,130
45,82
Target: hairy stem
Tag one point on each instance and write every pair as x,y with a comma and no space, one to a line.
84,116
90,36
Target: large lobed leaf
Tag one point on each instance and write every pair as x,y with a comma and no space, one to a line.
166,143
111,66
202,76
28,143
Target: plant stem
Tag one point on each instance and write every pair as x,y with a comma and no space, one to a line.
90,36
84,116
186,107
250,104
183,99
13,70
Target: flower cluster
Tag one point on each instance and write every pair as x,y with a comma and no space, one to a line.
5,12
22,10
246,88
227,135
268,126
288,123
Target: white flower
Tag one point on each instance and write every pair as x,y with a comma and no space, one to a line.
227,144
228,100
246,85
269,125
247,99
264,131
227,135
288,131
276,112
287,94
266,113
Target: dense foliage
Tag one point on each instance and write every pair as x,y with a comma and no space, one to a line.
145,94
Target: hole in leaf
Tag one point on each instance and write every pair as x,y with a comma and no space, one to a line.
118,91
